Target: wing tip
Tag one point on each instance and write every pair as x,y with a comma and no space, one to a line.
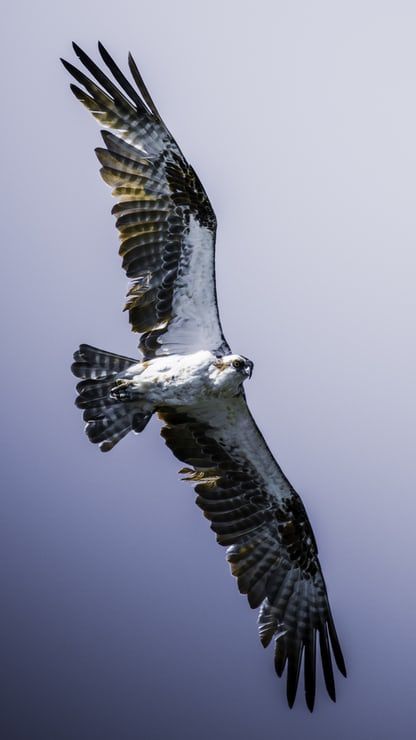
336,647
77,49
66,64
291,700
310,701
293,663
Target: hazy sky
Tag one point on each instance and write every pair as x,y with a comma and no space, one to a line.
119,617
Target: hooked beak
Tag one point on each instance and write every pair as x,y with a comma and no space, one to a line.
249,368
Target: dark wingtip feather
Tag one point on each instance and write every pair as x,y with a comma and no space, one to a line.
142,87
68,66
104,53
310,670
327,662
310,701
342,668
76,74
293,670
77,49
79,94
266,639
119,76
280,657
336,647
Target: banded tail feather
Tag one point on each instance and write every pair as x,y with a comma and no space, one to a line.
109,416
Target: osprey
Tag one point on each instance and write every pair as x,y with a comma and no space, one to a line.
191,379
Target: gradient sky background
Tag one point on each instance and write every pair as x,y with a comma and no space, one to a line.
119,617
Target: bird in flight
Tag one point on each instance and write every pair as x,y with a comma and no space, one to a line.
189,376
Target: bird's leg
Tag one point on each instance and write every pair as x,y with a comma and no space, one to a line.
122,390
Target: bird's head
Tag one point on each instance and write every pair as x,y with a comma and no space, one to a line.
233,369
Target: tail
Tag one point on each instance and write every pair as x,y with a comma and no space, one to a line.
109,417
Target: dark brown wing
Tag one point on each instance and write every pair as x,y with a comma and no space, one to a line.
165,220
256,513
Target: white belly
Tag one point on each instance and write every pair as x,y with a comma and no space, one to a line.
174,380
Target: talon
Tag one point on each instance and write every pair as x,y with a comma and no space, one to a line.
120,391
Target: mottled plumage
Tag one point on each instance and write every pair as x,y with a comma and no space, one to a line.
191,379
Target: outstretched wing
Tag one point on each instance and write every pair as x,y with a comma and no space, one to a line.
166,222
256,513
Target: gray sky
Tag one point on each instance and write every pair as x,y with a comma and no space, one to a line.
120,617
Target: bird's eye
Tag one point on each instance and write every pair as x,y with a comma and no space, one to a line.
238,364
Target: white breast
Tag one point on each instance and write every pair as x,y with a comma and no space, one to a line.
174,379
